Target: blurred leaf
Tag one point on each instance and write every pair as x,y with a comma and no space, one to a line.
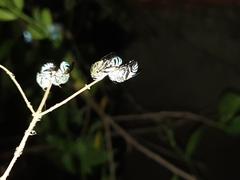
98,140
46,18
229,106
62,120
36,14
5,48
193,142
170,137
19,4
69,5
6,15
89,155
175,177
233,127
95,126
3,3
36,34
74,113
68,162
74,154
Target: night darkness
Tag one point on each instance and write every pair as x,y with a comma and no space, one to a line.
178,118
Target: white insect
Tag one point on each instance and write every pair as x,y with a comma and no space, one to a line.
107,64
49,74
124,72
62,74
111,65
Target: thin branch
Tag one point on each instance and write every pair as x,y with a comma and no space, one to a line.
109,149
142,130
28,150
163,115
36,117
69,98
11,75
147,152
150,154
28,132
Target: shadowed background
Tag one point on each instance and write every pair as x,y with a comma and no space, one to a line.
188,54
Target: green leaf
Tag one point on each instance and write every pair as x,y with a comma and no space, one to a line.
6,15
229,106
5,48
62,120
3,3
69,162
46,17
19,4
233,127
175,177
36,14
89,155
193,142
36,34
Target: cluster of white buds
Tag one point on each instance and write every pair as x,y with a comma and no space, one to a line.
50,74
111,66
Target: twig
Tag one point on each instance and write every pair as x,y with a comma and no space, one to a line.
36,117
138,131
156,157
38,114
109,149
87,86
11,75
150,154
162,115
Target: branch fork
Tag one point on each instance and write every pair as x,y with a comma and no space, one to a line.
37,115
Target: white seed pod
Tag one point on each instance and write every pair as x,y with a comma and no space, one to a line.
124,72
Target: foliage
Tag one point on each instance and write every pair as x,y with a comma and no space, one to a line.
228,111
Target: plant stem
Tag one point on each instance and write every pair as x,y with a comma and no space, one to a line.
87,86
36,117
132,141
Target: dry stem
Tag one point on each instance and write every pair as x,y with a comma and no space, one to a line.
109,147
87,86
28,132
36,116
132,141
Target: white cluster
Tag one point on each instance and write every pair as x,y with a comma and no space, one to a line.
111,66
49,74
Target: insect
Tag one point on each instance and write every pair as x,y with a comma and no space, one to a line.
49,74
106,64
111,66
124,72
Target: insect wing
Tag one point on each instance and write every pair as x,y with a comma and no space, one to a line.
124,72
43,80
48,67
65,67
60,78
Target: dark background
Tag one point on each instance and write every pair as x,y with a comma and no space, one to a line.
188,54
